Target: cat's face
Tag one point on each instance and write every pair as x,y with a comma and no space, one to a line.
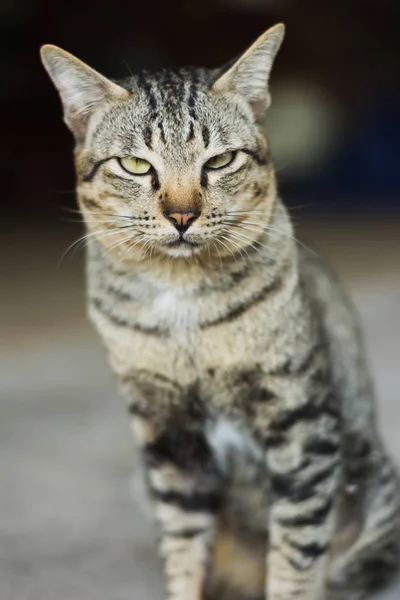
198,170
172,164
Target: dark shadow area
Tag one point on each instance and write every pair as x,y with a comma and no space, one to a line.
335,121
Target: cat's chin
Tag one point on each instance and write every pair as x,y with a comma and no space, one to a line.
181,250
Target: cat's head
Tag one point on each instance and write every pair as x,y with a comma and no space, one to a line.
172,163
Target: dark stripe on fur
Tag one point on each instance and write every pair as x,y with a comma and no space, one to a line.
243,307
146,86
308,359
314,518
153,377
191,101
286,485
288,368
95,168
185,449
191,132
196,502
118,294
155,183
205,132
263,395
203,179
273,440
321,447
186,534
312,550
257,156
282,370
148,137
162,134
137,410
89,203
120,322
306,412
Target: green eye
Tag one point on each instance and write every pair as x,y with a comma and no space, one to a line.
221,160
136,166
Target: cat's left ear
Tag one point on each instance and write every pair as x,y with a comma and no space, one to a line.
249,75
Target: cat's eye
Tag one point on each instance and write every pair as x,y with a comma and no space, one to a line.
220,161
136,166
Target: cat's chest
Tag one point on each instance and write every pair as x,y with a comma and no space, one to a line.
179,312
167,332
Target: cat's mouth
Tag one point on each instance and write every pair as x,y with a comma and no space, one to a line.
182,241
181,246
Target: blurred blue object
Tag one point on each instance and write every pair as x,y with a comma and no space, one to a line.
371,158
366,165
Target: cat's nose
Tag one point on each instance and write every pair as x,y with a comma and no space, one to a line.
181,219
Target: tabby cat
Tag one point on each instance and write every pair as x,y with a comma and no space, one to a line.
236,350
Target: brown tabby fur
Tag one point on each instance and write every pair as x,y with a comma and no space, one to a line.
237,352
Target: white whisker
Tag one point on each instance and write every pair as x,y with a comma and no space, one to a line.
235,245
82,241
216,248
227,247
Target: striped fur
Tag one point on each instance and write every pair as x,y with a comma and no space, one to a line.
237,353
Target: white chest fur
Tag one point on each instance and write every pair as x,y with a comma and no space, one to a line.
230,442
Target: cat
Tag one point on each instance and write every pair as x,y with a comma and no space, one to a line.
236,350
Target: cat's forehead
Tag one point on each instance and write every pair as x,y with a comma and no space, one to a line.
174,112
169,88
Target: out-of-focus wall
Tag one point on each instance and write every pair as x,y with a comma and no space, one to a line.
335,121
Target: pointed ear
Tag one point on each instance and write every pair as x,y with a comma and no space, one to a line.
82,89
250,73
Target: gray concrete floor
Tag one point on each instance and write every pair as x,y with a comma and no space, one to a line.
72,524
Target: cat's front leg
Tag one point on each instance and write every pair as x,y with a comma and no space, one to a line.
185,484
303,461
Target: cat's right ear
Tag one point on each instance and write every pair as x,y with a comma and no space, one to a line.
249,75
81,88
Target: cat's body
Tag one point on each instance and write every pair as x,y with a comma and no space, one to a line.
237,353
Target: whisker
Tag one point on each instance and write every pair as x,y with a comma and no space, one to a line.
245,212
235,245
292,237
283,166
258,228
249,242
239,248
240,237
277,230
249,239
299,206
65,220
128,67
81,242
137,233
227,247
218,252
252,241
134,243
102,214
146,240
118,243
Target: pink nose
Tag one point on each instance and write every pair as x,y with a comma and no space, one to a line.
181,219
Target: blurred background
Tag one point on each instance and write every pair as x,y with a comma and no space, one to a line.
71,526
